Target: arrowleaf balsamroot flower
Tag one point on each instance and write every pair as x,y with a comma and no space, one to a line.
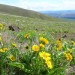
68,56
35,48
59,45
26,35
73,42
44,40
42,45
3,50
49,64
45,55
12,58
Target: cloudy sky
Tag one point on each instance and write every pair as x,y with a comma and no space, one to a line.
42,5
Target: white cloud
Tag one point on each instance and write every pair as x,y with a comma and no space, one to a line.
2,2
69,4
28,4
42,5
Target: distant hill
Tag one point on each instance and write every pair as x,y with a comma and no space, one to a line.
69,14
23,12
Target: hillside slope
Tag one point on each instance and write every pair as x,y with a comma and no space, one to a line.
25,24
23,12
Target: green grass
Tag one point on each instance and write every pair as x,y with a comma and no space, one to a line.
55,28
52,30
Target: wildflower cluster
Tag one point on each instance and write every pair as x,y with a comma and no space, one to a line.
47,57
36,56
6,50
44,55
3,50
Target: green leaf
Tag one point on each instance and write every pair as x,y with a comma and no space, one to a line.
17,64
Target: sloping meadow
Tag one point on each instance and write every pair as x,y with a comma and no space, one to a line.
35,47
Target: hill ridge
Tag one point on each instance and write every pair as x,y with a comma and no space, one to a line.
23,12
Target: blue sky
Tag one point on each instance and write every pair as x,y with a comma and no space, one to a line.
42,5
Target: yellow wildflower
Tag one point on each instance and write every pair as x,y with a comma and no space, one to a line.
58,41
14,45
68,56
73,42
26,35
12,58
1,26
5,49
49,64
41,45
35,48
0,39
44,40
45,55
1,50
59,45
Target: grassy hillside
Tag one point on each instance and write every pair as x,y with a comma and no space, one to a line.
23,40
23,12
55,28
